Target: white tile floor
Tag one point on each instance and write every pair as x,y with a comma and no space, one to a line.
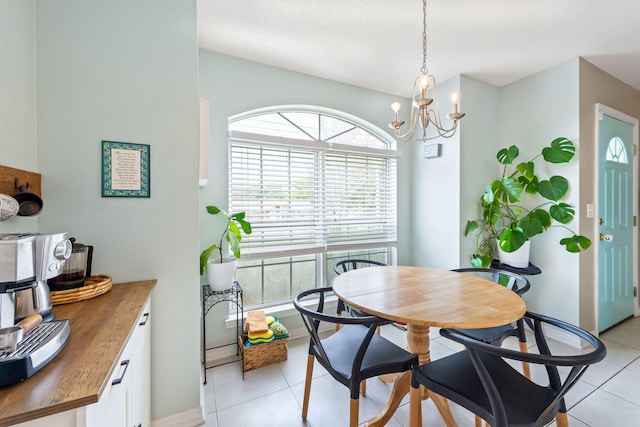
608,395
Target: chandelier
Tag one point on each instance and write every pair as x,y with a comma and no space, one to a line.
420,111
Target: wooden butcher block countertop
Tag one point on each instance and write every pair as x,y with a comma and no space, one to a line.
77,376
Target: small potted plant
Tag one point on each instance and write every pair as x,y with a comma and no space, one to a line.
509,223
220,269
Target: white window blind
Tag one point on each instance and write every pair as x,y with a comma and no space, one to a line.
306,196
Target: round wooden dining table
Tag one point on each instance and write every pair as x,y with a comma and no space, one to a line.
421,298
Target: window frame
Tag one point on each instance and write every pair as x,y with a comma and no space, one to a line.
250,255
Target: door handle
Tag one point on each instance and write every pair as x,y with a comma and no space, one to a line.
606,237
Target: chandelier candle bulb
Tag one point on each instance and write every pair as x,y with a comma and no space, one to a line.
454,98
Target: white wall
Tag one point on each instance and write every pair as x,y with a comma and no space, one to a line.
534,111
127,71
17,95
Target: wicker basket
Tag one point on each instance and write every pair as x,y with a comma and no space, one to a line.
257,356
93,286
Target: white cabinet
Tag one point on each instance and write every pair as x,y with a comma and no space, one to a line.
125,400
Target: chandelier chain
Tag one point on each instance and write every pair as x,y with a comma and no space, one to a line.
425,94
424,37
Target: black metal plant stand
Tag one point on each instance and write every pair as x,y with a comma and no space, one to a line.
211,298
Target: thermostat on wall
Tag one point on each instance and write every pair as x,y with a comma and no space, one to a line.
431,150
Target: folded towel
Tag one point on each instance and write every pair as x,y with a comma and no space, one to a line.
256,322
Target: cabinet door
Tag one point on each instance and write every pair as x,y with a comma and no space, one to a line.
117,410
141,374
112,408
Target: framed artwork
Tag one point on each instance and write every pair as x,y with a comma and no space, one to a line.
125,169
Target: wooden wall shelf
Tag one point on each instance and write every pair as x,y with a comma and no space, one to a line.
8,177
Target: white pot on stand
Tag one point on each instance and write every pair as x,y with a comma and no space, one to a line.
518,258
220,275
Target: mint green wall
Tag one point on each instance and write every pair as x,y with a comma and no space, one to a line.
446,189
435,198
17,95
479,142
232,86
534,111
123,71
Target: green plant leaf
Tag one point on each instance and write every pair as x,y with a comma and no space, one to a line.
204,257
512,239
237,216
530,226
576,243
491,212
561,150
554,189
526,169
234,231
471,227
542,216
506,156
508,189
488,195
246,227
562,212
234,242
479,261
530,186
476,261
213,210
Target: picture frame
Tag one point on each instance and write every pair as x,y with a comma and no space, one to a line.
125,169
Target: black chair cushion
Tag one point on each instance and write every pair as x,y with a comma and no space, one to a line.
457,372
379,359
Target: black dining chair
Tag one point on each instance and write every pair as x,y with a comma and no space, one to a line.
351,354
342,267
496,335
481,379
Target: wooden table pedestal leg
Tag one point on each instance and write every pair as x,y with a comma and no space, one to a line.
417,343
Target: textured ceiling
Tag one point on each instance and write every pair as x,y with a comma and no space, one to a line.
377,44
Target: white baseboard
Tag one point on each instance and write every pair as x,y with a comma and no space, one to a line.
191,418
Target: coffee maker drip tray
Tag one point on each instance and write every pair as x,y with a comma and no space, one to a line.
36,349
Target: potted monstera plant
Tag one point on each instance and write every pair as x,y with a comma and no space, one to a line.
221,270
506,224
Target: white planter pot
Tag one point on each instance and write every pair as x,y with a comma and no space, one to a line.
220,275
518,258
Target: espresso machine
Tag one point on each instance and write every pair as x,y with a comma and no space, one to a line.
27,261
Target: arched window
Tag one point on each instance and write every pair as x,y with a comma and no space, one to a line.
616,151
317,186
